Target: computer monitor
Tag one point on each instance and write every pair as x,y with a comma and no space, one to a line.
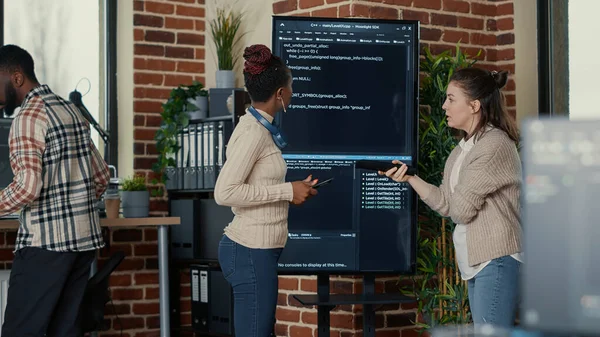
561,192
355,84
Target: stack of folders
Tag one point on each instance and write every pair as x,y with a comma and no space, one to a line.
200,157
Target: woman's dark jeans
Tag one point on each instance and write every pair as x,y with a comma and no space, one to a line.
253,275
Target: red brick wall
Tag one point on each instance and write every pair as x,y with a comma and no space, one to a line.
477,24
168,51
134,285
169,37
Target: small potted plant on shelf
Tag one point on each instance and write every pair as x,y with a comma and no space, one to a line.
224,29
191,99
135,198
200,103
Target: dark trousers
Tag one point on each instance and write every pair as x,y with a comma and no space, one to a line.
253,275
45,292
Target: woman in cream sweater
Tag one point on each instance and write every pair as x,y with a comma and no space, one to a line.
251,182
480,192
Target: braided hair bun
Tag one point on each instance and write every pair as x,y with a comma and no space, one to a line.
258,58
264,73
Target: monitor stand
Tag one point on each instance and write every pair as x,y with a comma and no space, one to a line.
325,302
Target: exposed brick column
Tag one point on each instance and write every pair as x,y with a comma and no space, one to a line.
169,51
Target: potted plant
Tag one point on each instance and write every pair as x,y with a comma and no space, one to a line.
135,198
183,104
193,100
200,103
440,293
224,29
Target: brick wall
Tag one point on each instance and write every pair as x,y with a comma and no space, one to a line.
169,50
169,37
478,25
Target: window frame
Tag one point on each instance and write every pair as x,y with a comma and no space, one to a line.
553,58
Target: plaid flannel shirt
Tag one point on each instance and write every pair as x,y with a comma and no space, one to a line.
58,176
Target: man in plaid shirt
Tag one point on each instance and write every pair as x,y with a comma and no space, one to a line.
58,177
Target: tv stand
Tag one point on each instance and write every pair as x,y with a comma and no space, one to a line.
325,302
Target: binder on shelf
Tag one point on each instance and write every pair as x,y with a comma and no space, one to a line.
180,161
223,134
211,301
172,182
196,158
190,179
199,156
209,155
200,305
186,159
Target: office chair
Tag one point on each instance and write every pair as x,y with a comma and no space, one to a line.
97,295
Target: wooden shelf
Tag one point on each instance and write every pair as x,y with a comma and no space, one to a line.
110,223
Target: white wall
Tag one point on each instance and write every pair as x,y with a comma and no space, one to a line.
526,76
125,86
256,28
583,60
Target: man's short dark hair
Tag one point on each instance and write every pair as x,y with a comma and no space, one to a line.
14,58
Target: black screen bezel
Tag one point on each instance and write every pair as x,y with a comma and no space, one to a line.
414,153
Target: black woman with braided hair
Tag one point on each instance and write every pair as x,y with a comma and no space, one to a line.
252,183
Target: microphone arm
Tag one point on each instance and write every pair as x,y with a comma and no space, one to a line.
75,97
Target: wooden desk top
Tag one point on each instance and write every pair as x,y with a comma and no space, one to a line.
111,223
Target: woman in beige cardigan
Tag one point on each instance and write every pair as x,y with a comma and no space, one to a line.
480,192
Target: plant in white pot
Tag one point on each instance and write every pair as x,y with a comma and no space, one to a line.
135,197
224,29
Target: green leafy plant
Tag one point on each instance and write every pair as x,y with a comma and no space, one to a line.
224,29
440,293
174,117
135,183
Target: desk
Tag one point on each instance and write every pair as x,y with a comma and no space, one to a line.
163,255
